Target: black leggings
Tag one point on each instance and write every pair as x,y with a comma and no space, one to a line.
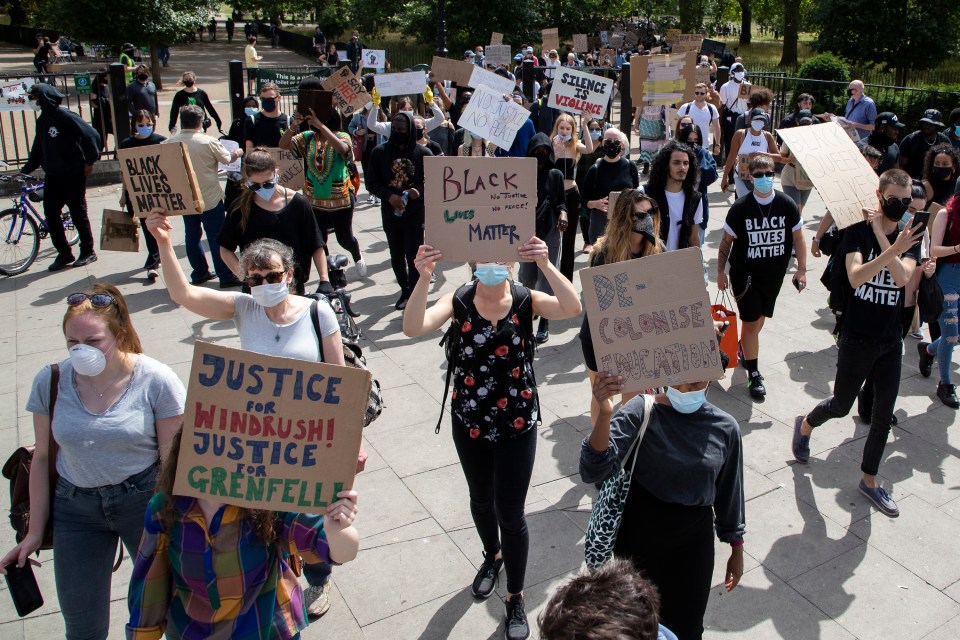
672,546
568,242
404,237
341,221
498,476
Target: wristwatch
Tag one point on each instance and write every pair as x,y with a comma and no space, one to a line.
816,239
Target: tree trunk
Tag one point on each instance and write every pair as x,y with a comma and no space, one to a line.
791,32
746,20
155,67
16,12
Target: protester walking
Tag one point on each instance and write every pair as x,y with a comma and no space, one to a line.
193,95
611,173
144,135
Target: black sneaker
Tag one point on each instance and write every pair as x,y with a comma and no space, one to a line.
516,625
487,576
948,395
755,385
801,443
84,259
202,279
402,301
61,262
926,360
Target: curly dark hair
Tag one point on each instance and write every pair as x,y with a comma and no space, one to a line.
660,167
941,149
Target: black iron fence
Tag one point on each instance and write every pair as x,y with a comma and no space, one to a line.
926,78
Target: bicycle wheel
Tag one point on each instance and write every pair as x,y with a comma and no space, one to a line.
19,241
73,236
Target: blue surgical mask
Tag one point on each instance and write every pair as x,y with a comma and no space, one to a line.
250,111
686,402
956,131
491,274
595,134
566,138
144,131
763,185
265,193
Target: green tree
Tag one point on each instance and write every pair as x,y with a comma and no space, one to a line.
692,14
746,20
791,32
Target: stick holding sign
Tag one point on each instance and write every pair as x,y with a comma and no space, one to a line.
492,118
577,92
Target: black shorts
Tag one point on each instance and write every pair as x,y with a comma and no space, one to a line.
251,74
756,297
586,344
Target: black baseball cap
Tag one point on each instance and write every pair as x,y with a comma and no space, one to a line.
888,117
932,116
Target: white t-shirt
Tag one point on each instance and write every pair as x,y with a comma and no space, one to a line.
295,340
702,118
675,216
730,96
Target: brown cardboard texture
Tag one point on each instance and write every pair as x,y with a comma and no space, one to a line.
263,432
160,175
348,92
650,320
292,173
663,79
452,70
580,42
551,39
119,232
496,38
835,166
479,208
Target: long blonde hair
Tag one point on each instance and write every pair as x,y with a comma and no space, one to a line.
614,245
574,141
257,160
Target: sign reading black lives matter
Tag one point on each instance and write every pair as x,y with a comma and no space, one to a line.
577,92
650,320
160,176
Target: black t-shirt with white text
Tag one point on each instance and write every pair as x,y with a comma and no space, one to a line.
874,308
763,234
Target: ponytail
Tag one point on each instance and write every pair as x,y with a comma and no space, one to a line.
258,160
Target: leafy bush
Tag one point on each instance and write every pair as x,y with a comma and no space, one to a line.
909,104
827,96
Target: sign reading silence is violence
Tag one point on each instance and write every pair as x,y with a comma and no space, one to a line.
264,432
577,92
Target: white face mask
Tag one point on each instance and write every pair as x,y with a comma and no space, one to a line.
87,360
757,125
270,295
739,75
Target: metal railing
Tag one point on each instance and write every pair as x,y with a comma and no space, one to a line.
928,77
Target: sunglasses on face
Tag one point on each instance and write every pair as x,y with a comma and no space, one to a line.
652,211
763,174
98,300
699,93
256,279
256,186
904,201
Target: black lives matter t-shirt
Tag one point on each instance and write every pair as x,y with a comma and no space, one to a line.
873,310
763,234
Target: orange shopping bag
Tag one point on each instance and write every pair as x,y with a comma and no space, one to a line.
731,338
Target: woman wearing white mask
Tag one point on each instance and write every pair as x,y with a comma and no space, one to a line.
750,142
116,413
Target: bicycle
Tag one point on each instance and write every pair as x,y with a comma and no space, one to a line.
22,227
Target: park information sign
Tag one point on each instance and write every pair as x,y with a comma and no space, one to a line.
650,320
577,92
263,432
838,170
479,209
492,118
160,176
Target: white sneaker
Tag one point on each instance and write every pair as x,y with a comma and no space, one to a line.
361,268
317,599
153,274
376,201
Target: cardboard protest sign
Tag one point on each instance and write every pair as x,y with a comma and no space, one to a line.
608,57
612,201
373,59
580,42
650,320
840,174
703,75
497,55
234,166
401,84
617,39
452,70
577,92
713,48
688,42
496,38
272,433
492,118
551,38
319,100
479,208
491,80
349,94
663,79
160,175
292,170
119,232
672,35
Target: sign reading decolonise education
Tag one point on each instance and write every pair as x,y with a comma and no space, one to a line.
479,208
650,320
492,118
577,92
270,433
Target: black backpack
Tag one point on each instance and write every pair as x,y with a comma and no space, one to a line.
462,302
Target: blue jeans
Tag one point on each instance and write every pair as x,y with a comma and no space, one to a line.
212,221
948,275
86,526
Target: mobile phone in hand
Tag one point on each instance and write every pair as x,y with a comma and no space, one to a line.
796,283
920,221
23,588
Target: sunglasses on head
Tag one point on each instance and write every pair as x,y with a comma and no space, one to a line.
256,186
763,174
904,201
98,300
256,279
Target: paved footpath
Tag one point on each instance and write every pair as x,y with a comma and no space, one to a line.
820,564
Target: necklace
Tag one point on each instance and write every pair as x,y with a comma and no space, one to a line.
100,394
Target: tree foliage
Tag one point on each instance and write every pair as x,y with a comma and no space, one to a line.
147,22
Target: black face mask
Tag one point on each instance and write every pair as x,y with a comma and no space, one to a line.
850,92
142,76
419,132
611,148
894,209
189,83
269,104
941,173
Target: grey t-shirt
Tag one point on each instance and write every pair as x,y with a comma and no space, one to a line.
295,340
100,449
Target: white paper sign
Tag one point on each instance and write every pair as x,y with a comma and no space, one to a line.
577,92
401,84
234,166
492,118
373,59
491,80
13,94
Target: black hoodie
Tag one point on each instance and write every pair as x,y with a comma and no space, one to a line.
396,166
64,142
550,200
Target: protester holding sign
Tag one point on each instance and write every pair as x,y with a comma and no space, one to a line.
404,105
745,145
116,413
144,135
567,149
244,587
612,173
494,409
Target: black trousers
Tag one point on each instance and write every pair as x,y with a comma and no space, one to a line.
860,360
404,237
72,192
498,476
569,240
672,546
341,221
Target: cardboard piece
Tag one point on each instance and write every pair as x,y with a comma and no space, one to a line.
372,59
452,70
577,92
608,55
688,42
650,320
840,174
580,42
160,175
617,40
320,100
703,75
491,80
497,55
292,169
272,433
401,84
496,38
234,166
478,208
492,118
713,48
551,39
663,79
348,92
119,232
612,202
672,35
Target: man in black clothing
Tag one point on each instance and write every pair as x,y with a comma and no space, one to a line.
66,147
761,230
914,147
396,177
142,94
266,128
886,129
230,25
354,51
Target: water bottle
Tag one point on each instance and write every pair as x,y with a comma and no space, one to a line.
404,198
